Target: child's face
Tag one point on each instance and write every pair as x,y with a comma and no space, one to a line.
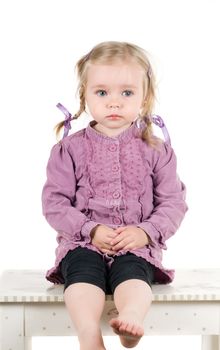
114,95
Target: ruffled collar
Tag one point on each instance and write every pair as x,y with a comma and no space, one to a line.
124,136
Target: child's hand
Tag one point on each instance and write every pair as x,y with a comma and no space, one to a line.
128,238
101,237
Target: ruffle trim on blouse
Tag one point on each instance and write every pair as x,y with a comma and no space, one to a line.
124,136
161,275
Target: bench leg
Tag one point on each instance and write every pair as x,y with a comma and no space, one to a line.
28,343
211,342
11,327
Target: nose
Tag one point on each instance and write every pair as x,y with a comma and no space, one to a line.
114,103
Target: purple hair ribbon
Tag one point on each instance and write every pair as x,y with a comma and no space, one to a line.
157,120
68,118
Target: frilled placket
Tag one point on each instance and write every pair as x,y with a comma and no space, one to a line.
110,193
114,198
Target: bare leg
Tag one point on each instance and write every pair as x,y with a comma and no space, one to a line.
132,300
85,304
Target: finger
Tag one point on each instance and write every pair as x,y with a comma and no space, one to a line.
102,245
118,239
106,245
112,235
123,243
129,246
120,229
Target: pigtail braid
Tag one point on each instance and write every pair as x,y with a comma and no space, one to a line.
60,125
82,105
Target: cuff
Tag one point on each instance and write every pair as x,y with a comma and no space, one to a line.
87,228
153,233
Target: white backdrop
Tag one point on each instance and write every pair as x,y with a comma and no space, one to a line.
40,43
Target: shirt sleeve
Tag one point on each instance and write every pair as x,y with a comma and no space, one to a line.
168,199
58,196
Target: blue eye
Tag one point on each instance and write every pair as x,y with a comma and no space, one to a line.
127,93
101,93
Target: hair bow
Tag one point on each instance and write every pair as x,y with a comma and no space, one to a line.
157,120
68,118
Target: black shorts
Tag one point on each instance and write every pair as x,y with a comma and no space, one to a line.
88,266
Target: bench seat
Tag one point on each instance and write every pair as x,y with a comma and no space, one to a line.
31,306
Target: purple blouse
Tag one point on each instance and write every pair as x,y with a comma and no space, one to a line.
115,181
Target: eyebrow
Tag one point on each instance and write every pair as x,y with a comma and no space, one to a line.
102,86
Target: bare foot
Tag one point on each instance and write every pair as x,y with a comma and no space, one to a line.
129,329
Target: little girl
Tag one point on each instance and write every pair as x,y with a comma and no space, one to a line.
113,196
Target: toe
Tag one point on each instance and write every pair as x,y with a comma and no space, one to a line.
140,331
115,323
123,327
129,329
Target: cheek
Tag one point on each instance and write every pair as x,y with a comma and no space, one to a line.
89,101
92,100
138,103
94,107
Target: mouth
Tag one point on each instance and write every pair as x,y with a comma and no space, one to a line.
113,116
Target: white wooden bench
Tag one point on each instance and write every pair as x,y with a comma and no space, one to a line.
31,306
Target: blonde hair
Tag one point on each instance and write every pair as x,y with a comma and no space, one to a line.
110,52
